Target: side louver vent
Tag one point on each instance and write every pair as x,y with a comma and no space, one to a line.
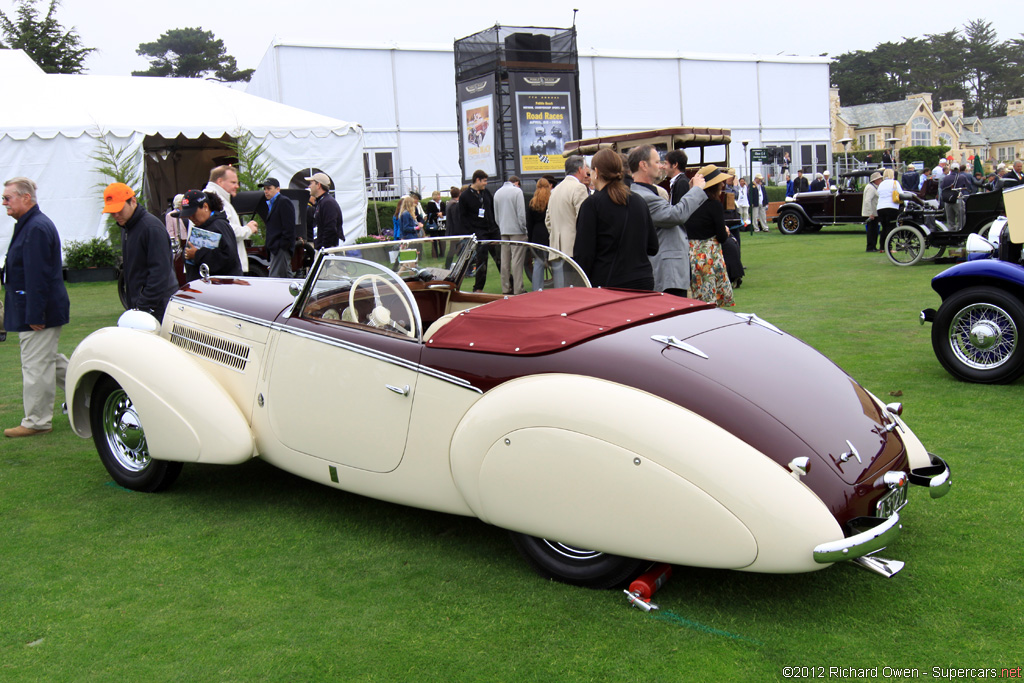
228,353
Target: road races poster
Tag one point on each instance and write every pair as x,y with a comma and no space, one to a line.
544,119
477,126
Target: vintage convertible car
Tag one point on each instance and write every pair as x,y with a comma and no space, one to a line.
606,429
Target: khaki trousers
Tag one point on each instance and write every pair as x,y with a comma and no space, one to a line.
512,256
42,369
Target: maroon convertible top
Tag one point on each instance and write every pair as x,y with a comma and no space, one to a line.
553,319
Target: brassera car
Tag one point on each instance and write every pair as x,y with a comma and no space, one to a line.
810,211
605,429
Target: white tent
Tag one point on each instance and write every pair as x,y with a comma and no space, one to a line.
52,125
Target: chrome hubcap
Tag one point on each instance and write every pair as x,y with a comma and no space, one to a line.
123,431
983,336
572,553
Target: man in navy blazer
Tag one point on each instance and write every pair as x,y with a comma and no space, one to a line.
280,221
36,305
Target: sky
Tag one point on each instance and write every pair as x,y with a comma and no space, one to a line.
248,27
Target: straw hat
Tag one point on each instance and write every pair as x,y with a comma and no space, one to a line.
713,175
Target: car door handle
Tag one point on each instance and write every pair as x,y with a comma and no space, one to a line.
404,391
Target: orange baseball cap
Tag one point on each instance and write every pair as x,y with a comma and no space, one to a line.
115,196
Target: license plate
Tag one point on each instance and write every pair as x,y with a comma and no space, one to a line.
891,502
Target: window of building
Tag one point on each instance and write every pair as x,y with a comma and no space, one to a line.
921,131
1005,153
945,139
861,141
871,141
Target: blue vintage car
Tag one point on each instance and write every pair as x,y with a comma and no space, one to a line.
976,331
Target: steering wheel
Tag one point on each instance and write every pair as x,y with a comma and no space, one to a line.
380,316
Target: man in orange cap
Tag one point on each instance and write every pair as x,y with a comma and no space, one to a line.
148,264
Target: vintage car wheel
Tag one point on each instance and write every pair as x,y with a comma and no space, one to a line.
791,223
257,269
577,566
976,336
121,441
122,290
905,245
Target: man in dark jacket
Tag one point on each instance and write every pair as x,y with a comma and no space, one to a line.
327,214
149,278
280,221
477,206
36,305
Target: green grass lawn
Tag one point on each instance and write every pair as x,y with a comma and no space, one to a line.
247,573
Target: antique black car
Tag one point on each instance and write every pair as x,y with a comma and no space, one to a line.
810,211
922,233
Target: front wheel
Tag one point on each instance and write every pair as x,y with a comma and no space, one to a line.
121,442
976,336
905,245
791,223
576,566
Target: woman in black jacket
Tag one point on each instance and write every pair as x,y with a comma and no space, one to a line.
614,233
211,241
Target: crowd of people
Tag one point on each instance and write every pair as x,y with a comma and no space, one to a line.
614,219
203,223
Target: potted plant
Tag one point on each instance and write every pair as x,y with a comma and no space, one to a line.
93,260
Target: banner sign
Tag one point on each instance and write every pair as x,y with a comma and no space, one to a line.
545,118
477,125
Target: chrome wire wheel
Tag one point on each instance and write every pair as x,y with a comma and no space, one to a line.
123,432
976,335
121,442
571,552
983,336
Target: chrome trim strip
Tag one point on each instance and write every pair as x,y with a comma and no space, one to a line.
222,311
679,344
880,533
380,355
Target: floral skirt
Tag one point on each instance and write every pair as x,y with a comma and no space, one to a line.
708,278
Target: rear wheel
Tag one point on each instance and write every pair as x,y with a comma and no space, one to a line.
121,442
976,336
905,245
790,223
257,269
577,566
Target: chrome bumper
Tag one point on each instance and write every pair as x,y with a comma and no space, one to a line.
936,477
874,533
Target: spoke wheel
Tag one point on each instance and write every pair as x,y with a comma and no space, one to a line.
976,336
905,245
577,566
121,441
791,223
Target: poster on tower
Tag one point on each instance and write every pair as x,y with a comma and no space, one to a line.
545,119
477,126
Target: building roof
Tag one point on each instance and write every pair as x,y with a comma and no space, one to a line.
1003,128
880,114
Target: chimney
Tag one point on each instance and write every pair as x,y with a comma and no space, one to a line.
1015,107
953,108
926,96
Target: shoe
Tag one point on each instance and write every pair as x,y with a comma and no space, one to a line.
3,336
19,431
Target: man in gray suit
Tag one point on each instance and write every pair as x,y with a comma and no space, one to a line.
672,262
510,214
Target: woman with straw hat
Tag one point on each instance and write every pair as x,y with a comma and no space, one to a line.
707,233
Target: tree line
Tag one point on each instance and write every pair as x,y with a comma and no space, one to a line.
968,64
178,52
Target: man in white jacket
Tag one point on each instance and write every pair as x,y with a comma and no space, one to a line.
510,214
224,183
